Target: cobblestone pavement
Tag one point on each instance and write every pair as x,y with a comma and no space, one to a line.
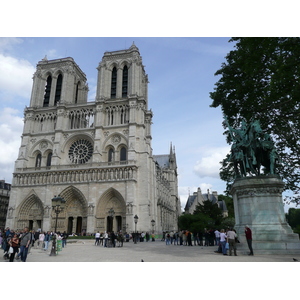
158,251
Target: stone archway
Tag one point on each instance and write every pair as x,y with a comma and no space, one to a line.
74,216
111,200
31,213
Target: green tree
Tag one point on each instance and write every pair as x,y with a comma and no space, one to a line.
229,204
194,223
210,210
293,217
261,80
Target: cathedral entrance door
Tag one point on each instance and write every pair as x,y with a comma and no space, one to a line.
119,223
70,225
79,225
109,224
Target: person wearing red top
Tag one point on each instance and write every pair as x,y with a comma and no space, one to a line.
248,233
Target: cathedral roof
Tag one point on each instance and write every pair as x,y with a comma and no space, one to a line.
163,160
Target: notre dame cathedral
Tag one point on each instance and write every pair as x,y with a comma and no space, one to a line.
96,155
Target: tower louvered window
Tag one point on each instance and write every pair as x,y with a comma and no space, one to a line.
47,92
125,82
113,92
58,89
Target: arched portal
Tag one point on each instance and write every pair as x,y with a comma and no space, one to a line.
74,216
111,212
31,213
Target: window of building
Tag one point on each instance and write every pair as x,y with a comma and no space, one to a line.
113,92
38,161
58,89
123,154
110,155
49,158
76,93
47,92
125,82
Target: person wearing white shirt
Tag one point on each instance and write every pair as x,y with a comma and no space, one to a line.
217,236
223,240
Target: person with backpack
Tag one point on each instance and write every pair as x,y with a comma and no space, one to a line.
26,240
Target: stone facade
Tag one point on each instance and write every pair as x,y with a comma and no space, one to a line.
96,155
258,204
4,199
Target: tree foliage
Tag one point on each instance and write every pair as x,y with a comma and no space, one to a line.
293,217
210,210
261,80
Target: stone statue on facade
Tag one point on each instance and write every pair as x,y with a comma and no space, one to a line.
251,150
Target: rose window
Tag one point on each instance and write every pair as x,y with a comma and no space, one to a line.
80,151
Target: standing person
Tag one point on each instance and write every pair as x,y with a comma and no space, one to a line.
217,237
105,238
64,239
47,239
101,238
189,238
180,234
147,236
200,238
97,238
41,240
223,240
14,242
248,233
231,240
25,243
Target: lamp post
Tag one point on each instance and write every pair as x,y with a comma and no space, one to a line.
153,224
58,205
135,221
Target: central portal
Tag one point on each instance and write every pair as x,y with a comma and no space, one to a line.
111,212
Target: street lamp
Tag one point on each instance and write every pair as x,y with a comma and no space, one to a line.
58,205
135,221
153,224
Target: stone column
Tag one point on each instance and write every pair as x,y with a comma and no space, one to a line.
258,204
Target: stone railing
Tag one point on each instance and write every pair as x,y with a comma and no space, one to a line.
78,175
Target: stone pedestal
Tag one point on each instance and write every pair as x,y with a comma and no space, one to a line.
258,204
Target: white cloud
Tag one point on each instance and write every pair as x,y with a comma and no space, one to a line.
6,43
11,126
15,77
209,165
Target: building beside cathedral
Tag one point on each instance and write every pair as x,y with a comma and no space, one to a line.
96,155
198,198
4,200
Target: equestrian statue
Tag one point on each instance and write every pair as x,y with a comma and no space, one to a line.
252,150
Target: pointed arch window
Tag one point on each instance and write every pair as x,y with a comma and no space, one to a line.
123,154
49,158
76,93
47,91
38,160
113,92
58,89
111,155
125,82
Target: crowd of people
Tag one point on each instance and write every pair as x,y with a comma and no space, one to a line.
226,240
110,239
17,244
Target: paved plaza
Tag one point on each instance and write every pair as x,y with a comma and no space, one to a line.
158,251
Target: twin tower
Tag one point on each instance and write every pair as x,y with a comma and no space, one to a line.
96,155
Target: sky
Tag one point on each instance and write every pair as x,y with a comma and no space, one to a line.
181,75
